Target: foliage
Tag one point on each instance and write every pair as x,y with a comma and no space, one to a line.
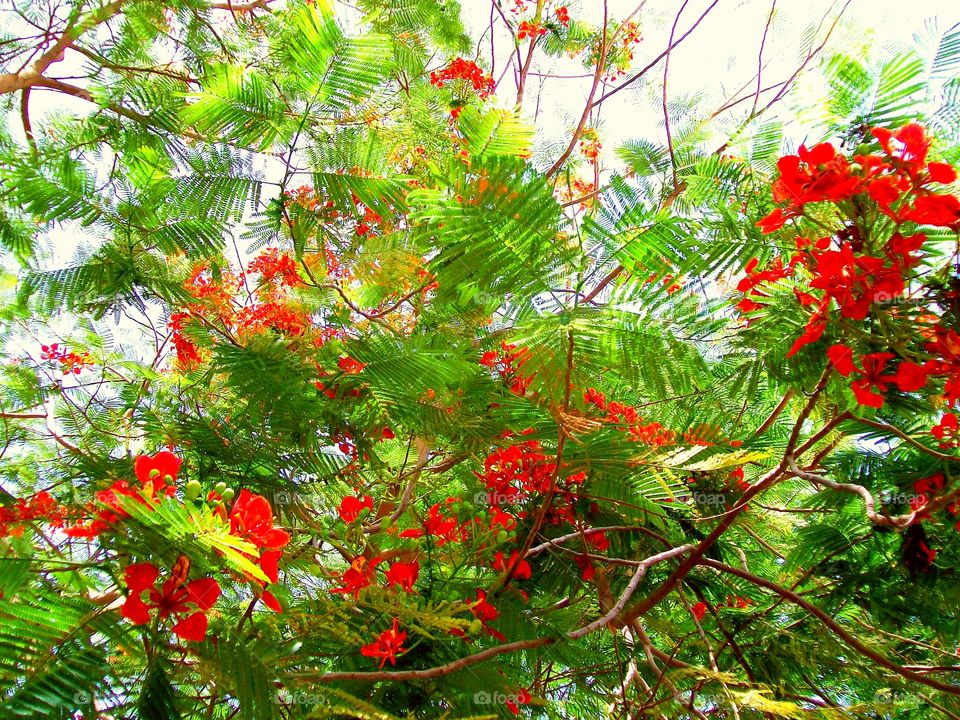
348,402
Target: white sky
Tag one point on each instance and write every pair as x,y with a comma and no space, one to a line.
718,58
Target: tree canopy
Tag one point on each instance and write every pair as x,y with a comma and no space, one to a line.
334,385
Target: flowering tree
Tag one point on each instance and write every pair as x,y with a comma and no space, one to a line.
359,400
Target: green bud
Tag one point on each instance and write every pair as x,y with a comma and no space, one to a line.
386,523
192,490
228,495
476,627
219,488
154,474
502,537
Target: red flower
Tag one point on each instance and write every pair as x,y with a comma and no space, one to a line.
522,697
485,612
270,263
699,610
941,173
521,569
930,485
186,602
530,30
444,529
387,645
598,541
350,366
357,577
814,175
774,221
403,574
161,468
587,571
816,326
946,431
911,377
251,518
563,15
351,506
460,69
908,145
873,365
594,397
940,210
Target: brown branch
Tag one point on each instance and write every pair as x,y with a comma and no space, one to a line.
440,671
763,43
589,104
32,75
834,626
775,413
663,94
728,519
811,54
868,500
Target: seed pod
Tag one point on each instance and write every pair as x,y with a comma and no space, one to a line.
192,490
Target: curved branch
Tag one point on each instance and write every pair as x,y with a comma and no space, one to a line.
833,625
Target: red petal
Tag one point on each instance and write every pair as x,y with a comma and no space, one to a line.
193,628
941,172
911,377
274,539
268,563
865,395
135,610
842,358
258,510
203,592
141,576
165,462
270,601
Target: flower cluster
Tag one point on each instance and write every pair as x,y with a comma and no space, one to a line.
590,144
186,602
71,363
507,362
530,29
466,71
272,263
157,475
898,181
41,506
856,274
625,418
387,645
